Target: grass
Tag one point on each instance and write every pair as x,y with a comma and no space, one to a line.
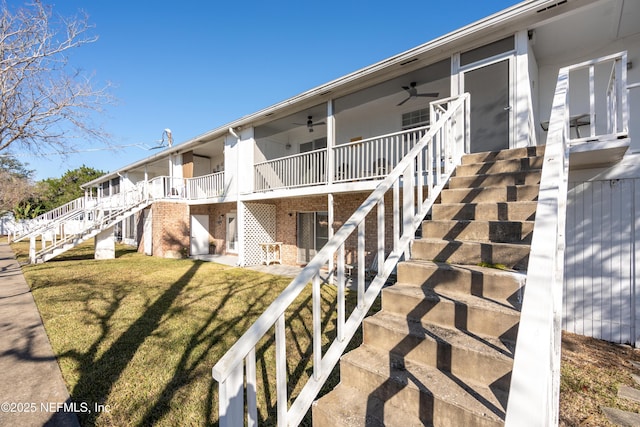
140,334
592,371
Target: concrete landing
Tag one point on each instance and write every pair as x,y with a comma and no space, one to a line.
32,391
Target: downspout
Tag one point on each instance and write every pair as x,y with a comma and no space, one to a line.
239,210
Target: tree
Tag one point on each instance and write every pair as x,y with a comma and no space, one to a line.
43,102
16,185
54,192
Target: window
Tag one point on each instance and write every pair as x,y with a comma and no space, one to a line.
414,119
313,234
316,144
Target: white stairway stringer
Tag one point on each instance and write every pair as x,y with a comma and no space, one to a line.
85,224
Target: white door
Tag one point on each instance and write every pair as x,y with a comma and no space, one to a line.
232,232
491,105
148,233
199,234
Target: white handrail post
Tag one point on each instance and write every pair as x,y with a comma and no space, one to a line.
361,260
381,235
396,214
341,299
231,400
317,327
624,94
281,371
408,204
252,403
592,101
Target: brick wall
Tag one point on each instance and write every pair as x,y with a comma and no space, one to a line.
171,223
344,206
217,222
170,229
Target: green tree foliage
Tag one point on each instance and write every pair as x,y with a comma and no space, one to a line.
55,192
16,185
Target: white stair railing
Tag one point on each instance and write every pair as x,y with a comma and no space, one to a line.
77,225
534,394
420,176
33,226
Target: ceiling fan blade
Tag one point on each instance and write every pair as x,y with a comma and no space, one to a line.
403,102
430,94
319,123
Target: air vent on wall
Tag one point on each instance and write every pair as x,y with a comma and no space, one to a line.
409,61
551,6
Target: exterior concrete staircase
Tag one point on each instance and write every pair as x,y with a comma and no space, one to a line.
440,352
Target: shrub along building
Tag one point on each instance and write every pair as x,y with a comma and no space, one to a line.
286,178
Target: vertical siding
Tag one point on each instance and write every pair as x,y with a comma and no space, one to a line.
600,259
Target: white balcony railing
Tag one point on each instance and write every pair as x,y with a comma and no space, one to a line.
373,157
292,171
204,187
606,81
236,371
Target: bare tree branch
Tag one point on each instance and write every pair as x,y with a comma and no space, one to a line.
43,102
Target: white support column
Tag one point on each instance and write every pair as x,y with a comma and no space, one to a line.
104,244
456,84
32,250
331,216
241,232
522,89
331,142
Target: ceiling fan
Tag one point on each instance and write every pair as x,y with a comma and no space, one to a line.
310,124
413,93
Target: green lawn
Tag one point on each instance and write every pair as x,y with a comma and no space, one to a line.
140,334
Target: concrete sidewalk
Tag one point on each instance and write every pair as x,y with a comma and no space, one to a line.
32,391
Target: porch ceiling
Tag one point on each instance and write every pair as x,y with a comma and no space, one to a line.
389,92
567,40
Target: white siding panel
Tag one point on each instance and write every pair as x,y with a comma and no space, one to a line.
636,263
600,260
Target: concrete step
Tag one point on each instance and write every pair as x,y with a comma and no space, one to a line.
426,393
470,359
500,166
512,193
498,285
496,180
492,156
510,255
504,211
471,314
479,231
348,407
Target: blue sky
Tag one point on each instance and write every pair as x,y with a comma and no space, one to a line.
193,66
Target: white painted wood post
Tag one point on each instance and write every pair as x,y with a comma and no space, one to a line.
231,399
252,403
281,371
32,249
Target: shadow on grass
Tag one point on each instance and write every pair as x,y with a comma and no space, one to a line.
97,376
194,355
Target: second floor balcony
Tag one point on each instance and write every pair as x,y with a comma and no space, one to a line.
366,159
